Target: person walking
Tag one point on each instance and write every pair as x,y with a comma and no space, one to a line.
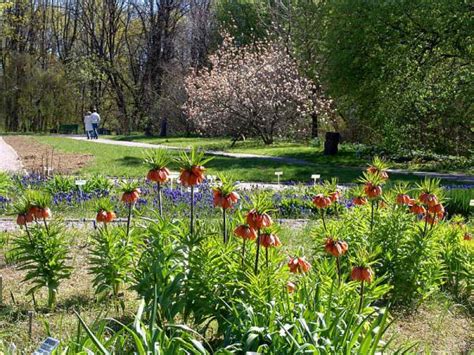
95,119
88,125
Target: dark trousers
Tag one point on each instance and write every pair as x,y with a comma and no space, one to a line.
95,127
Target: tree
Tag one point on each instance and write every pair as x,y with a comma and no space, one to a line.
118,55
297,25
403,69
36,93
253,90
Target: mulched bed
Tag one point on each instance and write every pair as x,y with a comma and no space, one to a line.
36,156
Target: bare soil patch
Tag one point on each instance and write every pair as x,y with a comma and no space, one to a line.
36,156
436,327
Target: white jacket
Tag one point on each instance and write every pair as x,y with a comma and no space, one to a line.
88,123
95,117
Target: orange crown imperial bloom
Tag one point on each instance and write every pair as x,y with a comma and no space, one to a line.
335,196
24,218
198,170
291,287
245,232
467,236
320,201
192,176
158,175
431,218
269,240
110,216
257,220
45,212
32,211
374,170
359,201
101,216
336,247
225,202
105,216
21,219
39,212
372,191
428,199
403,199
131,197
299,265
417,209
360,273
436,209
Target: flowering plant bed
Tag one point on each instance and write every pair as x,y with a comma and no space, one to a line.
215,270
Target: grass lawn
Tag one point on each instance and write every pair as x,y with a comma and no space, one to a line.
346,157
126,161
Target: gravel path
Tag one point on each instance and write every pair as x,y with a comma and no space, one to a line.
210,152
9,159
434,175
9,225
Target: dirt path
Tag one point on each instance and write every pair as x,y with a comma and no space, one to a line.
10,161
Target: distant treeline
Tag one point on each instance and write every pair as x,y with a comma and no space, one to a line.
399,72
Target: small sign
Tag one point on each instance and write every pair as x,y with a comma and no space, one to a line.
315,177
47,346
48,170
278,174
80,182
173,176
471,203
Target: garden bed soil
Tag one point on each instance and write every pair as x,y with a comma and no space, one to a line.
439,327
35,156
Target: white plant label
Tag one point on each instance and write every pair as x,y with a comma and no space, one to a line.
80,182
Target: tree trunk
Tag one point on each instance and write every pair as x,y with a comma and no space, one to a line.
148,128
164,127
314,125
267,140
331,143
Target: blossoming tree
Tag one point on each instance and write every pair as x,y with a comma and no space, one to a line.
252,90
